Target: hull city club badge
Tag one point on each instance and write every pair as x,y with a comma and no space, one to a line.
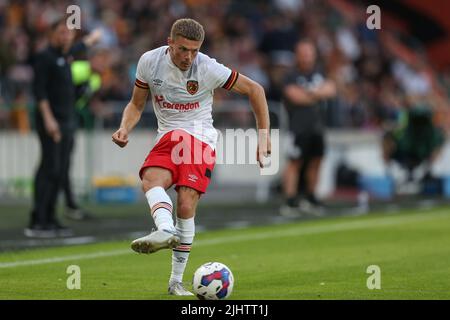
192,86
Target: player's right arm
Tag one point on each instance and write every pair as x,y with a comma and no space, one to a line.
131,114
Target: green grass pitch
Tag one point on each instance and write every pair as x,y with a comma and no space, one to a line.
315,259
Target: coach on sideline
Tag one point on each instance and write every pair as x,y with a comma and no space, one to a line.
55,118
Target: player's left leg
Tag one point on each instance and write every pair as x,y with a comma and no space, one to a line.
187,201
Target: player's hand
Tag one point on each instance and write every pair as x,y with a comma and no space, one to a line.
52,128
264,148
120,137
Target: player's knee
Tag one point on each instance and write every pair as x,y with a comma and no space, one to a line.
152,178
185,209
149,182
145,186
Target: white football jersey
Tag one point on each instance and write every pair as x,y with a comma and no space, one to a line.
183,99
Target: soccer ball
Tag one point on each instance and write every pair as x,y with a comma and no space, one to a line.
213,281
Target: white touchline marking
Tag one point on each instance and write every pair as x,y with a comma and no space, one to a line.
34,242
290,232
84,256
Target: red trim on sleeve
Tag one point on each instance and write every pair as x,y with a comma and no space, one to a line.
140,84
231,80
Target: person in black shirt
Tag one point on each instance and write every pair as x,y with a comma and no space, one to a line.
304,91
55,119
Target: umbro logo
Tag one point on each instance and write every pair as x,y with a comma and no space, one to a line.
157,82
192,177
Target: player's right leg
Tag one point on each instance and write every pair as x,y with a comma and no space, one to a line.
155,180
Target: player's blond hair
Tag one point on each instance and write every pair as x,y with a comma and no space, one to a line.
187,28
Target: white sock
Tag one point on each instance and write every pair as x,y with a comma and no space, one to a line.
180,255
161,208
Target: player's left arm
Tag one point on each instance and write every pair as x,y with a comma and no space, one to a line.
257,97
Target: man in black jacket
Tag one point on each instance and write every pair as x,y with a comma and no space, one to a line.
55,125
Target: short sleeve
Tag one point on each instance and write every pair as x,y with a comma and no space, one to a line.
141,72
219,75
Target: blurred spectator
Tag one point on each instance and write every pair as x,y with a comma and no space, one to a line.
87,82
19,113
414,143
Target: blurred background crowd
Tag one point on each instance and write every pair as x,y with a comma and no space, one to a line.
378,74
